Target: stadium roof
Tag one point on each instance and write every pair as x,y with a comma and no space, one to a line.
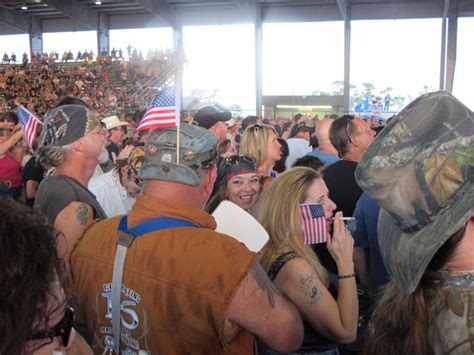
20,16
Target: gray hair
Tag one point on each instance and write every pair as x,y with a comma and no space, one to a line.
53,156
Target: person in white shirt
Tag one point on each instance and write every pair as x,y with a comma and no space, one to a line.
298,144
116,190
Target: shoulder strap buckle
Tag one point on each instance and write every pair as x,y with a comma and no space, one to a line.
124,239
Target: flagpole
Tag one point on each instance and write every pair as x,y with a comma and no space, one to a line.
178,113
177,144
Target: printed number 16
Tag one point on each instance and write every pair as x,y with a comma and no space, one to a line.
124,310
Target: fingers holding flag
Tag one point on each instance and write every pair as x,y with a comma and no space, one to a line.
30,125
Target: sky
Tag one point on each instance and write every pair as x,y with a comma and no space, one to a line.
298,58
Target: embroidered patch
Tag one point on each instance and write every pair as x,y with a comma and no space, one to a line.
166,158
151,148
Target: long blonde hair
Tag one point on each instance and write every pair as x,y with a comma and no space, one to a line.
278,212
254,142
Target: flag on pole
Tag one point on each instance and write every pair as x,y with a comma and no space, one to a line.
162,112
29,123
313,223
363,106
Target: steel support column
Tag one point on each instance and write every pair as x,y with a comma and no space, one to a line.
442,69
347,63
36,36
258,61
451,48
103,38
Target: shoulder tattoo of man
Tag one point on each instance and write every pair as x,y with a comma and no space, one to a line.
309,289
264,283
81,214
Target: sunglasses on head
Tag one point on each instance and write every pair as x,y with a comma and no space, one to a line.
62,329
256,127
234,160
237,159
348,118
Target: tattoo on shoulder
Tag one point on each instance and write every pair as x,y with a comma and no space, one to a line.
264,283
309,289
81,214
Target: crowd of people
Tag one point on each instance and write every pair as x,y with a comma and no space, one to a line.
107,236
106,85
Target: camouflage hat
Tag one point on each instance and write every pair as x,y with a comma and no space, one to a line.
420,170
66,124
197,152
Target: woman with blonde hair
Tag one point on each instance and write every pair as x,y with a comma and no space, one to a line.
295,268
260,142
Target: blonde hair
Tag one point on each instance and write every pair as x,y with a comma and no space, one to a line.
254,142
278,212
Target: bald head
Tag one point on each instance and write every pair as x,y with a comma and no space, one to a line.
322,133
323,129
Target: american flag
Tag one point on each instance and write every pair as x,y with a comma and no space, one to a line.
29,123
313,223
162,112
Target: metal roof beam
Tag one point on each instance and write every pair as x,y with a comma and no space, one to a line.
160,9
15,20
342,5
76,11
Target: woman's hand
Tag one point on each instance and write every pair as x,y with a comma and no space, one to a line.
341,245
124,153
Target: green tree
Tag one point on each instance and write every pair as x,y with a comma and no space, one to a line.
387,90
356,94
337,87
397,101
368,90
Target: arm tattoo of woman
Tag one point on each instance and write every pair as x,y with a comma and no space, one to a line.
264,283
309,289
81,214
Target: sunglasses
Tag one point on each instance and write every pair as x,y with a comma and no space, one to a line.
237,159
256,127
348,118
62,329
234,160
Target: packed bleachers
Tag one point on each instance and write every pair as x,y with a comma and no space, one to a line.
107,85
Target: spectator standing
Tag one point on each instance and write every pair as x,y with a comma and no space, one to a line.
298,145
10,168
213,120
117,189
426,227
32,174
191,290
260,142
326,151
71,141
35,317
115,135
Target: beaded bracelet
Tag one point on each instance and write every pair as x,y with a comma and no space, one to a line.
349,276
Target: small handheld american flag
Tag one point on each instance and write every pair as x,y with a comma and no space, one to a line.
29,123
313,223
162,111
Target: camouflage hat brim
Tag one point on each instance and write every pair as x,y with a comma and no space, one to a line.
406,255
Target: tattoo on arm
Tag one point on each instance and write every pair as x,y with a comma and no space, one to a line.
81,214
264,283
309,289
